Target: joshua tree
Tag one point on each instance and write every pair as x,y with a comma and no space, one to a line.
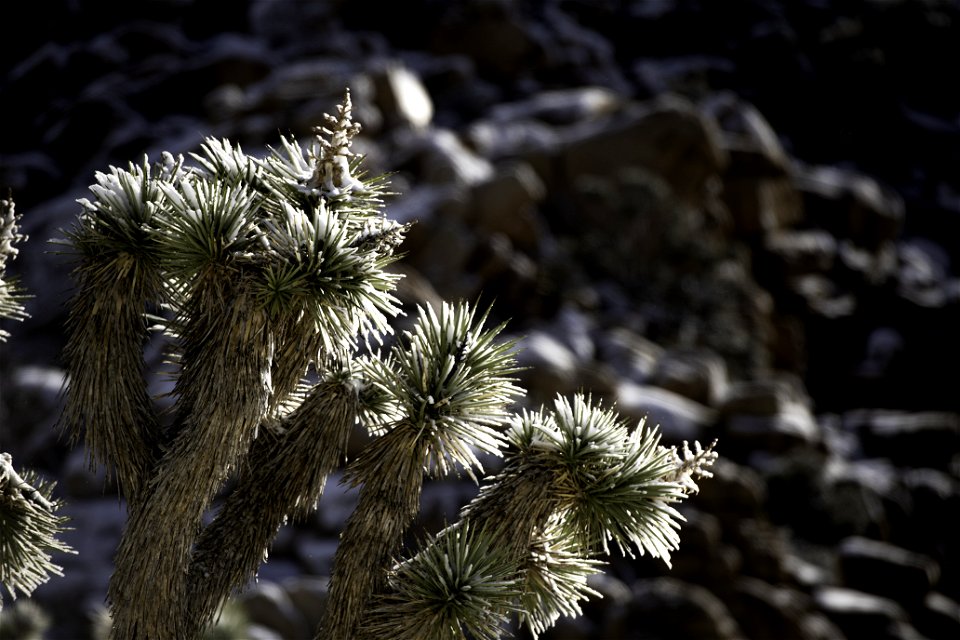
269,279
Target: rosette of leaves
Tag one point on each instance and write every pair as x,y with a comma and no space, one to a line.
256,270
460,586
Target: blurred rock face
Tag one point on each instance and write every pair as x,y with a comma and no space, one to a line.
739,224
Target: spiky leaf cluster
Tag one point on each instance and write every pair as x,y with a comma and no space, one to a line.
462,586
29,525
610,482
575,478
230,229
29,528
555,578
450,381
10,295
256,269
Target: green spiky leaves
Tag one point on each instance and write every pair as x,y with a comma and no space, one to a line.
206,224
28,528
555,579
448,383
451,381
461,586
612,483
10,296
28,521
575,478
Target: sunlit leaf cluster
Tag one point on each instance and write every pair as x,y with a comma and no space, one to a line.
29,526
11,297
451,381
458,587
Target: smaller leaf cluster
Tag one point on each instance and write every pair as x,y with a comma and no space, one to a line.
11,306
28,530
459,587
450,381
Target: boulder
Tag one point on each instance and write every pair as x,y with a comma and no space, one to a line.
677,418
886,570
757,188
850,205
669,137
668,608
861,615
766,610
401,96
700,375
268,605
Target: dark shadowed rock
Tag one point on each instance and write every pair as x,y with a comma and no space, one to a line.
552,366
631,355
770,415
309,596
825,499
316,554
929,524
734,492
794,252
923,274
939,617
861,615
704,557
439,156
667,608
698,375
909,439
887,570
763,547
757,188
30,406
765,610
668,137
850,205
677,417
506,203
531,140
492,34
560,107
268,604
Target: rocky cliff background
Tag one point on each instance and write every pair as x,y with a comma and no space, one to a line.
741,219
